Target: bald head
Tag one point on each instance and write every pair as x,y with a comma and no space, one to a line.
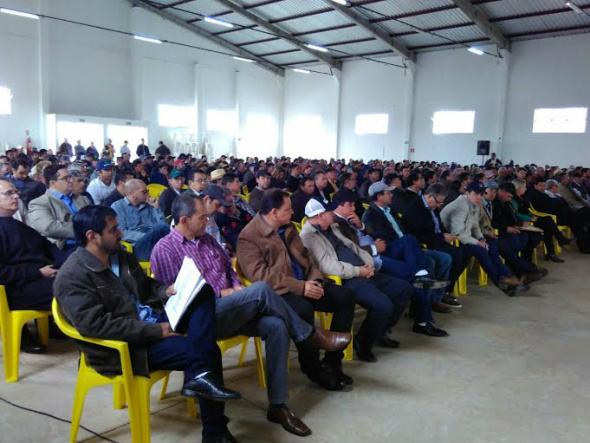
136,192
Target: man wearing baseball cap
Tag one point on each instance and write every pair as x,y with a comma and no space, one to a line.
175,184
461,218
384,296
103,185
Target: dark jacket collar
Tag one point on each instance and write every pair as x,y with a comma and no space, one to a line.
89,260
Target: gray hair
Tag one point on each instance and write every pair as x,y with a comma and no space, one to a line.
436,189
550,183
518,183
132,185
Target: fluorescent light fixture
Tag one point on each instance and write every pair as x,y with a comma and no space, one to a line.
147,39
475,50
244,59
216,21
316,48
574,7
341,2
19,13
301,71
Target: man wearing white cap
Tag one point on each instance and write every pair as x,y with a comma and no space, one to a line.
384,296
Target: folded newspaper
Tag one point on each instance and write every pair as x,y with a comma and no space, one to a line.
188,284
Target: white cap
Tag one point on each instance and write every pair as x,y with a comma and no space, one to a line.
313,208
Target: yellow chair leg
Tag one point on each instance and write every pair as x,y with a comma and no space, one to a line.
348,352
463,283
164,387
137,392
192,409
260,363
483,277
119,400
82,388
12,350
243,353
43,330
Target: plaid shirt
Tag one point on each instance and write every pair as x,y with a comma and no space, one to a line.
208,255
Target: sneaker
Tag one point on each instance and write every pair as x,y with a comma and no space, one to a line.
441,308
451,301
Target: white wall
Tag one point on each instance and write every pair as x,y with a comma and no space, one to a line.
310,115
372,88
544,74
457,80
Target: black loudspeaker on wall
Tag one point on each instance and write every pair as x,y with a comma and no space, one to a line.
483,147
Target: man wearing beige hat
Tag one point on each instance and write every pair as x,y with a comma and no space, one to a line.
216,176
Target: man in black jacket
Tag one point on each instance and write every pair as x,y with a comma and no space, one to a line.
424,223
104,293
28,189
176,183
300,198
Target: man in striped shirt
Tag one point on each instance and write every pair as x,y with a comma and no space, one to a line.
255,311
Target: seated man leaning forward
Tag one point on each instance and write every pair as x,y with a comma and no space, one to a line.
104,293
255,311
140,219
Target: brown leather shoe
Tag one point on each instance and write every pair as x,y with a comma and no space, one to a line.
282,415
510,280
328,340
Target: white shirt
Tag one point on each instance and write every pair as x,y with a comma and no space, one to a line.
99,191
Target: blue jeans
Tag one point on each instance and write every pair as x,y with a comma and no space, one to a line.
407,255
442,270
142,249
194,354
385,298
490,260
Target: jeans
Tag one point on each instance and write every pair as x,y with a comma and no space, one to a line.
259,311
142,249
195,353
489,259
509,246
442,270
408,254
336,299
385,299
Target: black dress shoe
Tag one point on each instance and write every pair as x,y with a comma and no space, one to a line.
364,354
430,330
208,386
554,258
336,370
29,344
224,437
326,379
387,342
282,415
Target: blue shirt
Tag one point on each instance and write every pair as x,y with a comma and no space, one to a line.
396,228
437,229
145,312
134,222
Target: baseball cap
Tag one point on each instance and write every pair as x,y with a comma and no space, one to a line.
379,186
313,208
344,196
217,192
175,173
491,184
476,187
178,161
104,164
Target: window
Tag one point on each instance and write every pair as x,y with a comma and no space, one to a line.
177,116
560,120
5,101
453,122
371,124
222,121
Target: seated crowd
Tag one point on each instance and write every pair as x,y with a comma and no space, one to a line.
311,235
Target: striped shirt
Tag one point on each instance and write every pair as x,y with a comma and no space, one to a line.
209,257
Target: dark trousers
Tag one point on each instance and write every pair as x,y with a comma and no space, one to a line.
550,232
35,295
142,249
510,245
194,353
385,298
489,259
461,256
338,300
407,255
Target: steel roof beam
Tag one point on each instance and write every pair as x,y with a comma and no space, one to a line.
264,24
275,69
481,21
378,33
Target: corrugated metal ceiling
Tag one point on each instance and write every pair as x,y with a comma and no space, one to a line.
314,21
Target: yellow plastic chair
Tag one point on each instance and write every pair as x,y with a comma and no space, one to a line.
303,220
128,388
297,226
461,285
245,190
565,229
155,189
11,325
326,320
245,197
145,265
365,206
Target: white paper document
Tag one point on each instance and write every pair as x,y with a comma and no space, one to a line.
188,284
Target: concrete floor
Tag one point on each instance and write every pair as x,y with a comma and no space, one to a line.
513,370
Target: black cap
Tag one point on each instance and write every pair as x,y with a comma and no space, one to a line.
217,192
344,196
475,186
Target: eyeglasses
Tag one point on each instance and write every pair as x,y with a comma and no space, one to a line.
67,178
201,180
9,193
439,202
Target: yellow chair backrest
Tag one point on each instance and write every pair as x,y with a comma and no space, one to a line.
245,197
128,247
238,270
155,189
297,226
245,190
542,214
303,220
366,205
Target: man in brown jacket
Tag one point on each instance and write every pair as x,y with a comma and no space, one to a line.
269,249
